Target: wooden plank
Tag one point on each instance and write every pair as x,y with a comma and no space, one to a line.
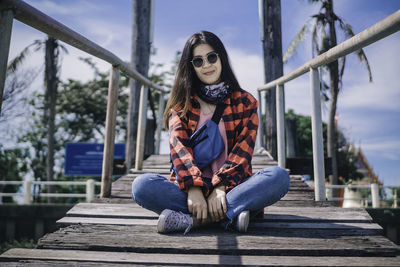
304,203
271,213
126,193
114,199
109,221
259,224
110,210
258,241
197,259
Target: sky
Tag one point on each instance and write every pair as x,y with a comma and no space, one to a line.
368,113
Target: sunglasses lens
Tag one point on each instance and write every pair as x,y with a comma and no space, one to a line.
197,62
212,58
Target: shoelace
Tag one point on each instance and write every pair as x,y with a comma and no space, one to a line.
187,220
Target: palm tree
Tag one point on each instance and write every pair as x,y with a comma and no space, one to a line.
324,37
52,52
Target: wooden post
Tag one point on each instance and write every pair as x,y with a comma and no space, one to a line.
6,20
260,134
27,192
140,58
160,123
108,154
89,190
318,145
271,38
140,144
280,125
375,195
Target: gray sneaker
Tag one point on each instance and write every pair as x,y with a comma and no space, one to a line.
242,221
174,221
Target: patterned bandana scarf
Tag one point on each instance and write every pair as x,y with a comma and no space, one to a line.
214,94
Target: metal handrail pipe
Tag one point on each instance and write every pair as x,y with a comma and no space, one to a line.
380,30
342,198
11,182
60,195
44,23
57,183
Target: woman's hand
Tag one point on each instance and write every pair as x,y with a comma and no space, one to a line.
197,204
217,203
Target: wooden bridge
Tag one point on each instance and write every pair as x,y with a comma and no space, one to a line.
296,231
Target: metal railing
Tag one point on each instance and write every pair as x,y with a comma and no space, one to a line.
374,188
10,9
380,30
28,194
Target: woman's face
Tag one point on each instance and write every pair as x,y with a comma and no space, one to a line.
208,73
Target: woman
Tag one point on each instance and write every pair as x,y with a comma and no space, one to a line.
225,191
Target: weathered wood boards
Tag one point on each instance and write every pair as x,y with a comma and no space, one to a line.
101,258
258,241
271,213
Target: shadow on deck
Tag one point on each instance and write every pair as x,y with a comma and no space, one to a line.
296,231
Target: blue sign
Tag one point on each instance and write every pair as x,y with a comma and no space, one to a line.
86,159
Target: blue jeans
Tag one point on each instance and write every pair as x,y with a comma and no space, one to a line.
156,193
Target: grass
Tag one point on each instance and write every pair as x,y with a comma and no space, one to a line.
16,244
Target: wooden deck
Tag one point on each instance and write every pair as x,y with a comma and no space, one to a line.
296,231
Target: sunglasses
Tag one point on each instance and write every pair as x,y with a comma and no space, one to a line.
198,61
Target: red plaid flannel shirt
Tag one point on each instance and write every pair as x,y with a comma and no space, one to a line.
241,124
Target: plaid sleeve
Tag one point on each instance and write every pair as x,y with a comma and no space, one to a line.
237,166
182,156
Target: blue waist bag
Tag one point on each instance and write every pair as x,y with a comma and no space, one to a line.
207,143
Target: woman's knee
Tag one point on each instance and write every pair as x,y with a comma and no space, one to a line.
141,185
279,175
282,175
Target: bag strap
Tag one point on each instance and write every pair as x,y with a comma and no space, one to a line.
218,113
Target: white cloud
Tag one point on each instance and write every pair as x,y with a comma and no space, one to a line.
65,8
113,36
248,68
384,92
389,149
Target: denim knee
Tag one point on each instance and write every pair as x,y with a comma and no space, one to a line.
140,186
282,175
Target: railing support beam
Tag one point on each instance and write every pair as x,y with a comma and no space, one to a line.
375,195
160,123
142,119
108,154
27,192
280,124
89,190
260,135
6,21
317,138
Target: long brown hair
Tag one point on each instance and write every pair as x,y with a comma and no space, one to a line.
186,81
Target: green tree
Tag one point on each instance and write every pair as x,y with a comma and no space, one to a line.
324,37
52,53
346,159
12,168
80,117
